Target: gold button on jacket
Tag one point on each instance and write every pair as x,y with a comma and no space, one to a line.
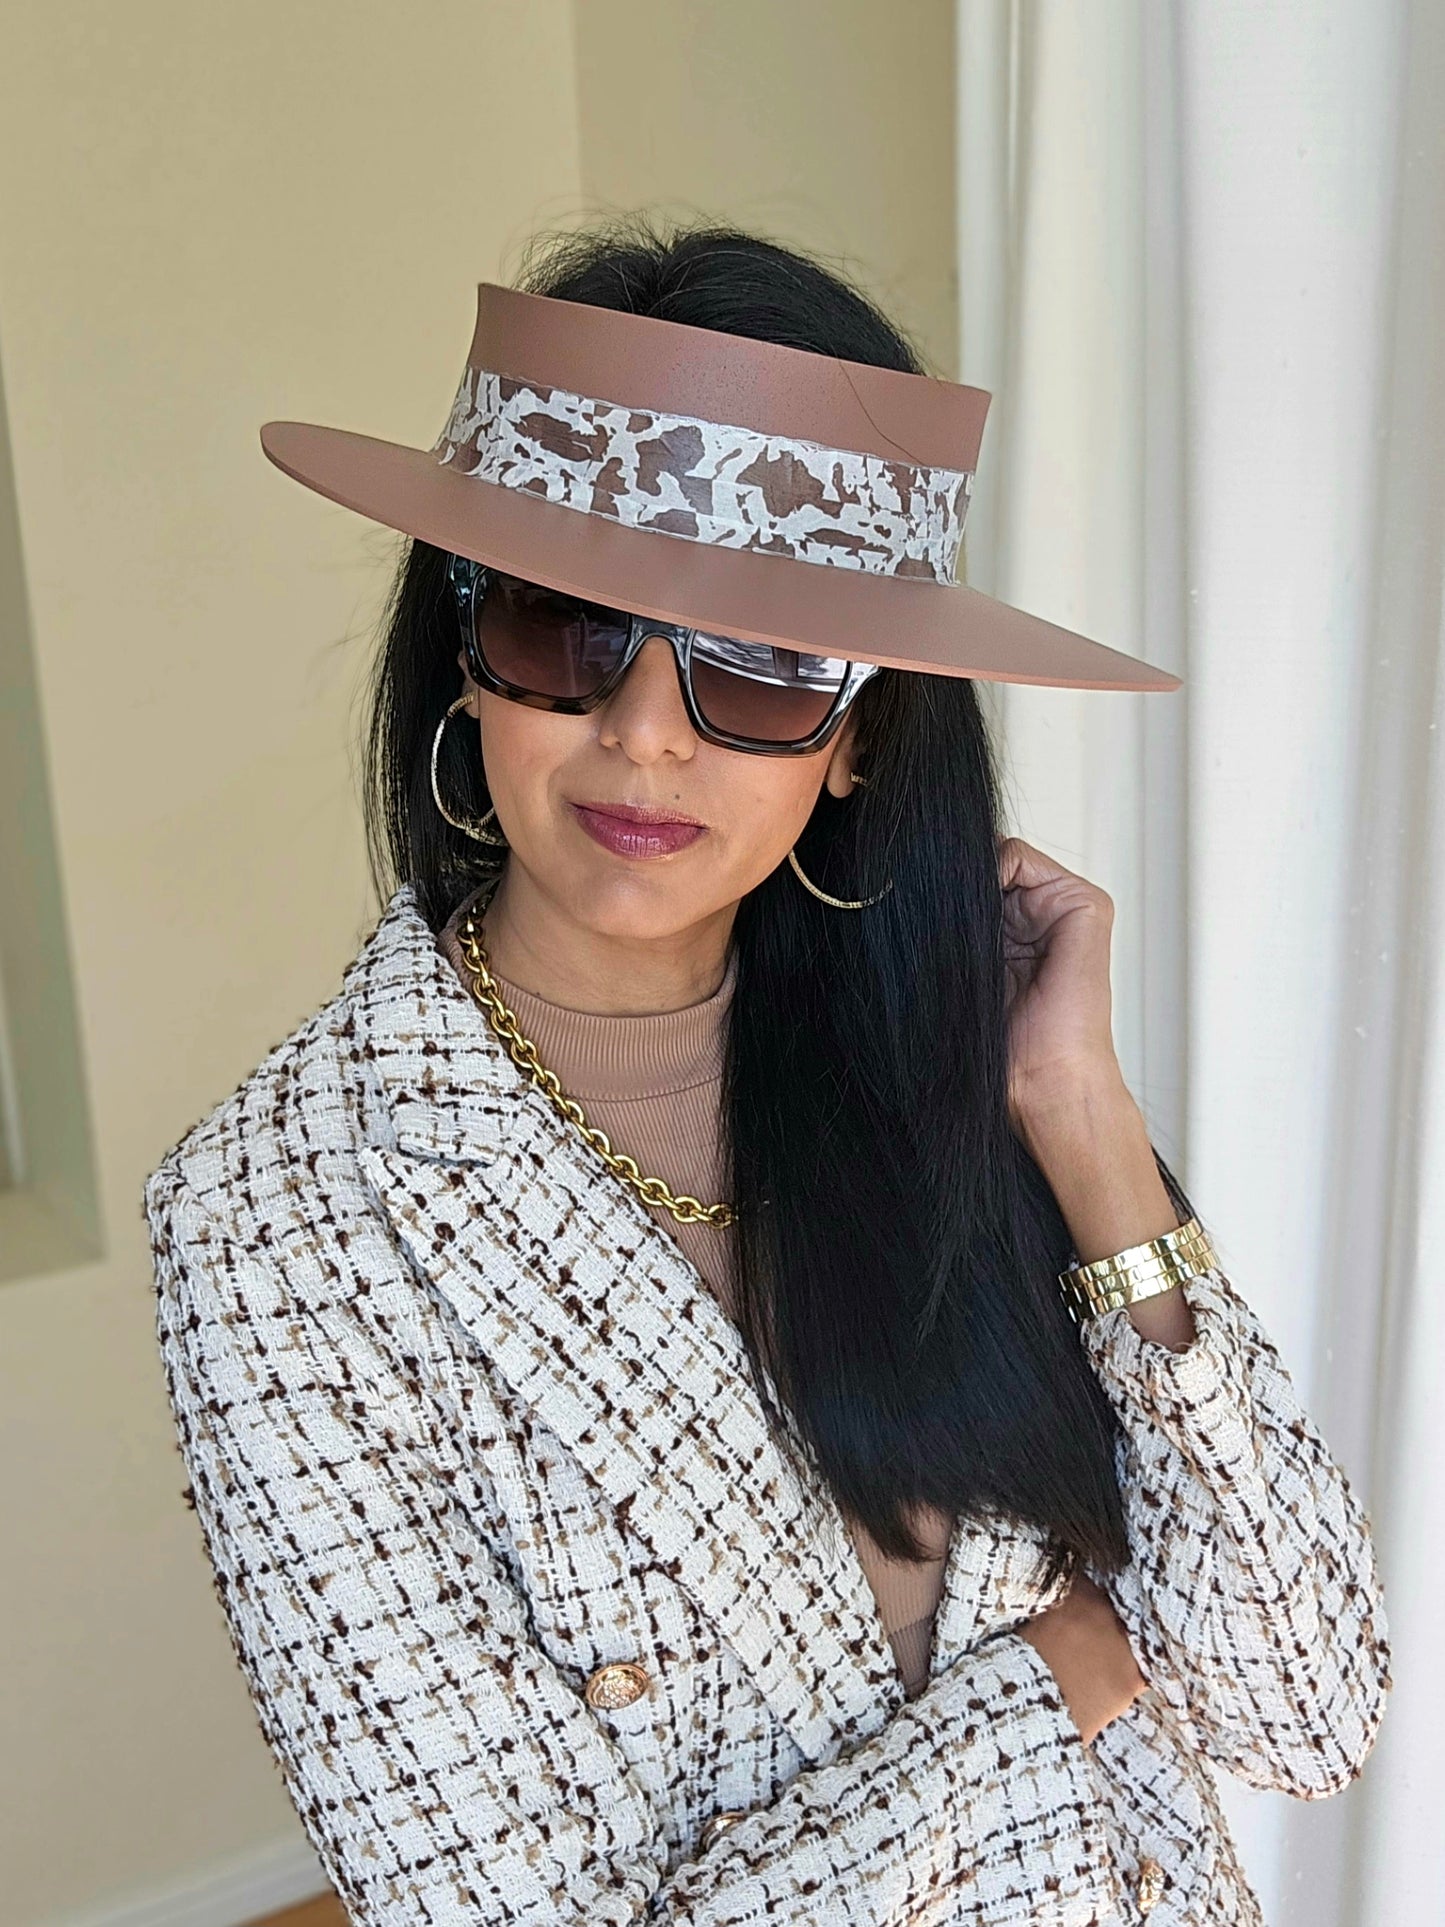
719,1823
617,1684
1151,1883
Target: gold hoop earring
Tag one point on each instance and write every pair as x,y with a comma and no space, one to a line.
838,903
475,828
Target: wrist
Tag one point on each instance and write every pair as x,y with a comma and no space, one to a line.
1060,1113
1092,1144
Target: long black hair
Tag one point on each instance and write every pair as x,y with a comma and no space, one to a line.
896,1245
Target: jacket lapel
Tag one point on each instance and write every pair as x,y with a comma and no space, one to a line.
595,1317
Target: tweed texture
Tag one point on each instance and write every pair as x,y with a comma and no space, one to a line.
653,1083
463,1425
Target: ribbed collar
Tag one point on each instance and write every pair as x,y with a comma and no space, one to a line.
600,1056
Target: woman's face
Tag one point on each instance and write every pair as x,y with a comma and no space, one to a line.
639,748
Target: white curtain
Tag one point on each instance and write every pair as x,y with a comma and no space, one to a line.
1202,270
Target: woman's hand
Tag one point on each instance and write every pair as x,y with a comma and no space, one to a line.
1083,1643
1057,929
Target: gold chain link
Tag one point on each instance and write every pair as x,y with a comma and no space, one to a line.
524,1053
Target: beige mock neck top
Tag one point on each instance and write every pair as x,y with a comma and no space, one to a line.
653,1084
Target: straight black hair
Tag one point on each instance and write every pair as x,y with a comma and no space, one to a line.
896,1245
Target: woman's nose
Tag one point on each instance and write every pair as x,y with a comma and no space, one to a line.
646,712
656,669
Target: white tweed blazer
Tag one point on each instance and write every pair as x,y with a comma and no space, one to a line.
539,1628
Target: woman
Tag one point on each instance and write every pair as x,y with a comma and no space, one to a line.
704,1403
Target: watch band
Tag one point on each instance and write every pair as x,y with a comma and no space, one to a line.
1140,1271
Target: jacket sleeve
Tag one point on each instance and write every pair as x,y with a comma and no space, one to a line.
1251,1596
448,1774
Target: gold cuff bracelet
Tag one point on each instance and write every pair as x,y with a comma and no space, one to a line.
1141,1271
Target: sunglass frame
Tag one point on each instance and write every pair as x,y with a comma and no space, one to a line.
469,581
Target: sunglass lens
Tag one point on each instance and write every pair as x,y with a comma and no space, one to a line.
545,642
762,693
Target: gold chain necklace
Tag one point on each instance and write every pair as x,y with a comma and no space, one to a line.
524,1052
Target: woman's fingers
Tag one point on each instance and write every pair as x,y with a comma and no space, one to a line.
1022,866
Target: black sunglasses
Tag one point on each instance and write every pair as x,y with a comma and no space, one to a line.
555,651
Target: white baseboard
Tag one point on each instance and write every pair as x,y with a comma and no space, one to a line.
231,1894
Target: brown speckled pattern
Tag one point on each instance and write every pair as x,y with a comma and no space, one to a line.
1249,1546
706,481
463,1424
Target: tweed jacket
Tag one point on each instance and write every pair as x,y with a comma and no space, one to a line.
539,1628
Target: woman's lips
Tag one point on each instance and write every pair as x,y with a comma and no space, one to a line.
628,835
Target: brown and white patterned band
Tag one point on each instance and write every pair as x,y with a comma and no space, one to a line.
708,481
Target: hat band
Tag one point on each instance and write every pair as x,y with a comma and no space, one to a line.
708,481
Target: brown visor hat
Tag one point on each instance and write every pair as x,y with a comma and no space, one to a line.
706,479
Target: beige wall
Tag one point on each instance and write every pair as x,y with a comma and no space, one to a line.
209,216
828,126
